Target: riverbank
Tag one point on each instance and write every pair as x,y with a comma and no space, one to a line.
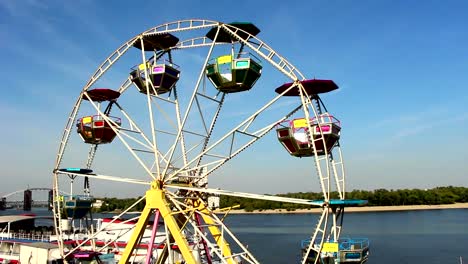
363,209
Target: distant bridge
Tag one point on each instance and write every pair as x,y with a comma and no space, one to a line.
27,203
19,204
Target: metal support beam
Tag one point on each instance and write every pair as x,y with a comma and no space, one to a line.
215,232
156,200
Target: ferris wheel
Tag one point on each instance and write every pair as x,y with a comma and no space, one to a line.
172,116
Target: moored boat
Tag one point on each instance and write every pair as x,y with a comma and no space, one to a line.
345,251
19,234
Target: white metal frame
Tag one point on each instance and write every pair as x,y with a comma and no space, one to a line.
169,166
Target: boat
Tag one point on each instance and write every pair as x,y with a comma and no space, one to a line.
19,235
346,251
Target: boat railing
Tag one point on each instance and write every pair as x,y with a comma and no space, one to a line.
345,243
26,236
80,197
353,243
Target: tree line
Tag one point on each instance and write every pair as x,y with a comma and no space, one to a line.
379,197
116,204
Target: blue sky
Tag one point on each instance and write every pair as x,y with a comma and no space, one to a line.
400,65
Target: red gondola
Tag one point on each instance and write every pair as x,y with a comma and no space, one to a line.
96,130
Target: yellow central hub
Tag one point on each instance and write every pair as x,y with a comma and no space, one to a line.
156,200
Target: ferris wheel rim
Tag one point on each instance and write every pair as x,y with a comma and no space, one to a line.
156,30
112,59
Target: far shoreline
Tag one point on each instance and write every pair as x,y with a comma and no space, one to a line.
364,209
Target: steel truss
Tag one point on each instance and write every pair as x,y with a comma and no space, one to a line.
195,152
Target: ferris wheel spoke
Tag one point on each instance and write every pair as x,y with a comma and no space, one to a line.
242,127
114,128
116,55
208,128
146,147
178,158
150,107
247,195
180,141
103,177
122,232
201,115
220,232
232,152
136,129
190,104
166,116
190,172
163,99
175,126
214,221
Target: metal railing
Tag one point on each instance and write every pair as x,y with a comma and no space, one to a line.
26,236
345,243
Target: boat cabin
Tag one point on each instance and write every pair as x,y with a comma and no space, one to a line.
96,130
77,206
294,135
232,74
346,250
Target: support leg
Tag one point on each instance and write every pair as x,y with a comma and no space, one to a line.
216,233
155,199
137,233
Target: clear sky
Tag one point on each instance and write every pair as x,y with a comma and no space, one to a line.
401,67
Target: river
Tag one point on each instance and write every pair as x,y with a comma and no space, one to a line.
428,236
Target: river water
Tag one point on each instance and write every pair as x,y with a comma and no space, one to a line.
429,236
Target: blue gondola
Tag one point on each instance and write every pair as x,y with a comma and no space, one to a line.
77,206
